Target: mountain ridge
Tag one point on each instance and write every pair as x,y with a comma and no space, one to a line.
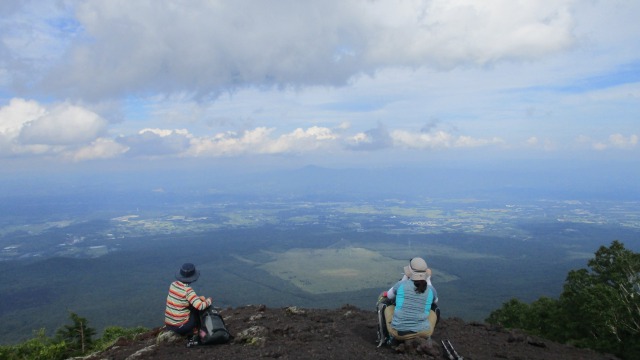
343,333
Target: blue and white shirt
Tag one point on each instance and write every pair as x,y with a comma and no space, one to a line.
412,308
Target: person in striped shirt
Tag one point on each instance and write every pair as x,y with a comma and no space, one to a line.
182,314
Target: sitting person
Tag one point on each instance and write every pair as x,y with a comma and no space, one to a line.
412,315
407,274
182,314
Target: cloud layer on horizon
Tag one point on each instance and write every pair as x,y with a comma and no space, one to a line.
69,132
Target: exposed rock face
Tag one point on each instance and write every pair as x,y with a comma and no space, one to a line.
255,335
345,333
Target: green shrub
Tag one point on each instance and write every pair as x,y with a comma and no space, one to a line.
39,348
599,307
113,333
78,336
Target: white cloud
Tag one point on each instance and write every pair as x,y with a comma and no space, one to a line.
156,142
16,114
532,141
72,132
359,138
99,149
622,142
28,127
374,139
599,146
64,124
544,144
439,140
229,143
343,126
615,141
468,141
164,132
583,139
449,33
212,46
34,35
301,140
261,141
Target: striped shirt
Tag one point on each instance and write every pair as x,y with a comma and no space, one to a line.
180,297
412,308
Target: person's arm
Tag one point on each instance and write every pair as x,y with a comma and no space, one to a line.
197,301
391,294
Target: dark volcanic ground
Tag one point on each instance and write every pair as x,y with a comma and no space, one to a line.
345,333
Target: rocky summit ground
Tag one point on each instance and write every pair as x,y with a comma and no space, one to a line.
345,333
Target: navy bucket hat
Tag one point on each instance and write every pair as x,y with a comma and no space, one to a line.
188,273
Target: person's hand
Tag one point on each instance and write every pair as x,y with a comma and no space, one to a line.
202,298
382,296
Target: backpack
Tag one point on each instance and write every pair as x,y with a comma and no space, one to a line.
212,328
383,336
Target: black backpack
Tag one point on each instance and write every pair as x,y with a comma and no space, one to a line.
213,328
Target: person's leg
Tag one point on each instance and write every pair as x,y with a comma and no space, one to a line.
434,307
192,323
388,316
433,318
433,321
196,317
405,337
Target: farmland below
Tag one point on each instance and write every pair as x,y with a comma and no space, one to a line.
114,267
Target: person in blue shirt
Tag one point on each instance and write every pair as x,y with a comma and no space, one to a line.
412,316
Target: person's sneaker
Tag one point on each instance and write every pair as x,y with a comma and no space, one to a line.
193,341
391,341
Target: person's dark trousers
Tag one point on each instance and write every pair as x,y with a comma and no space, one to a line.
187,328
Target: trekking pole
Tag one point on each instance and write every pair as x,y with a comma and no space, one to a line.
458,357
452,354
449,355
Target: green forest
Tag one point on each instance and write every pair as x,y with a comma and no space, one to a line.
599,307
75,339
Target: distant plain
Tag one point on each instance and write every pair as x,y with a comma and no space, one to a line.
114,267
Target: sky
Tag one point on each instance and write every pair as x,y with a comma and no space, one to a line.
336,83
